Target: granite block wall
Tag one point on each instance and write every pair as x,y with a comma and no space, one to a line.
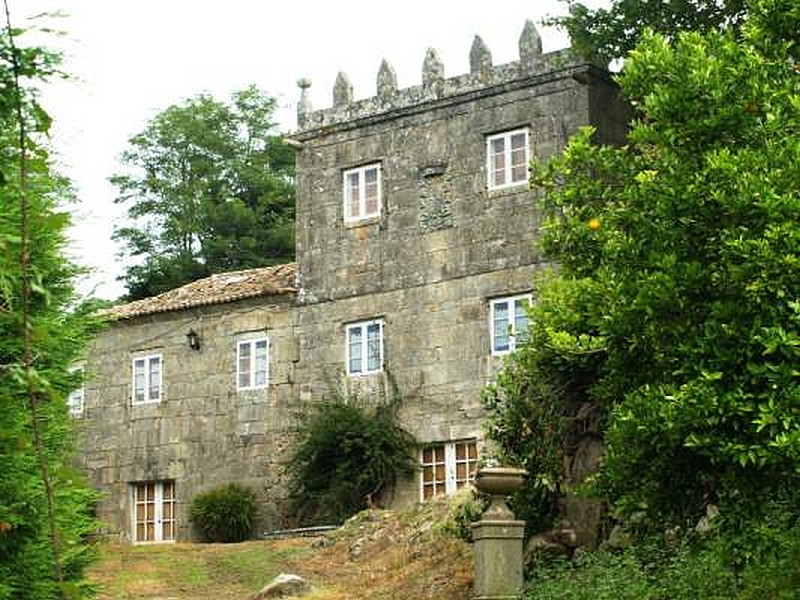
203,432
442,247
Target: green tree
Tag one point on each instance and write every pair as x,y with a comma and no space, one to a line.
347,453
209,188
606,34
676,306
44,505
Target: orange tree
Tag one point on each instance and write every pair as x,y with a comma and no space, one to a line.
676,306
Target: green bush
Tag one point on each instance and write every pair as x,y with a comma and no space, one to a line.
758,561
467,506
347,453
225,514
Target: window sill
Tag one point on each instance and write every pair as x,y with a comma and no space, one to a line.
364,374
356,223
254,388
146,402
512,188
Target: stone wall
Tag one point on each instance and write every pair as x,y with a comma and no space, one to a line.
429,265
438,219
203,432
444,245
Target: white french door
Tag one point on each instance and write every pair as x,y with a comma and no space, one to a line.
154,511
448,467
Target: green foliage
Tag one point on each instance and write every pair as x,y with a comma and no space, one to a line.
713,569
466,507
347,453
30,557
225,514
606,34
675,306
539,389
209,188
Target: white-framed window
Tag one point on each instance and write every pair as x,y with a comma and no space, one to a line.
507,157
447,467
153,511
508,322
252,364
75,399
364,349
362,192
147,378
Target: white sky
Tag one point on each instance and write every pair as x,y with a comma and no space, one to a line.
129,60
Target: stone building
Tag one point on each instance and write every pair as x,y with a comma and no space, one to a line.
415,260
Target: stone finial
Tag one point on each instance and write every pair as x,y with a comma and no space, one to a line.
342,90
480,57
530,43
432,68
387,79
304,105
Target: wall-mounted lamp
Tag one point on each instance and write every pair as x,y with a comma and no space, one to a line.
193,339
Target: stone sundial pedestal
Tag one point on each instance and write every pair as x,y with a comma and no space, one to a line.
498,537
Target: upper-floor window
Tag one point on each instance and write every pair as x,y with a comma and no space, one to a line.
147,379
362,192
75,398
507,158
509,322
365,347
252,364
448,467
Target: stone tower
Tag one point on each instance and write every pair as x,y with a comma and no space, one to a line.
416,230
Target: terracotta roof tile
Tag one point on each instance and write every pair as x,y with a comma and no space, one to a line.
217,289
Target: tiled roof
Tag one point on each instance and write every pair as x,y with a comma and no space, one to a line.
217,289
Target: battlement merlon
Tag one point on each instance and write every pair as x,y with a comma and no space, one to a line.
483,79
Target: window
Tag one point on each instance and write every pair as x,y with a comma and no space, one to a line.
365,347
147,379
76,396
509,322
252,360
448,467
154,511
507,159
362,192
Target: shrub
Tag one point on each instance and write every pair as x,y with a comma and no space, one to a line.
466,507
346,454
760,560
225,514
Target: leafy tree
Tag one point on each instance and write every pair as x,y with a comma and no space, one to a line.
604,34
210,188
347,453
676,306
44,505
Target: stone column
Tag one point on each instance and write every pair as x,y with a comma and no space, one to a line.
498,559
497,538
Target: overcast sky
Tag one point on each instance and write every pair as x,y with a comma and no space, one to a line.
129,60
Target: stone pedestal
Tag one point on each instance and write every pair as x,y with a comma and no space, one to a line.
498,537
498,559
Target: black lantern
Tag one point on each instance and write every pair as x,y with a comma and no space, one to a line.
193,339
